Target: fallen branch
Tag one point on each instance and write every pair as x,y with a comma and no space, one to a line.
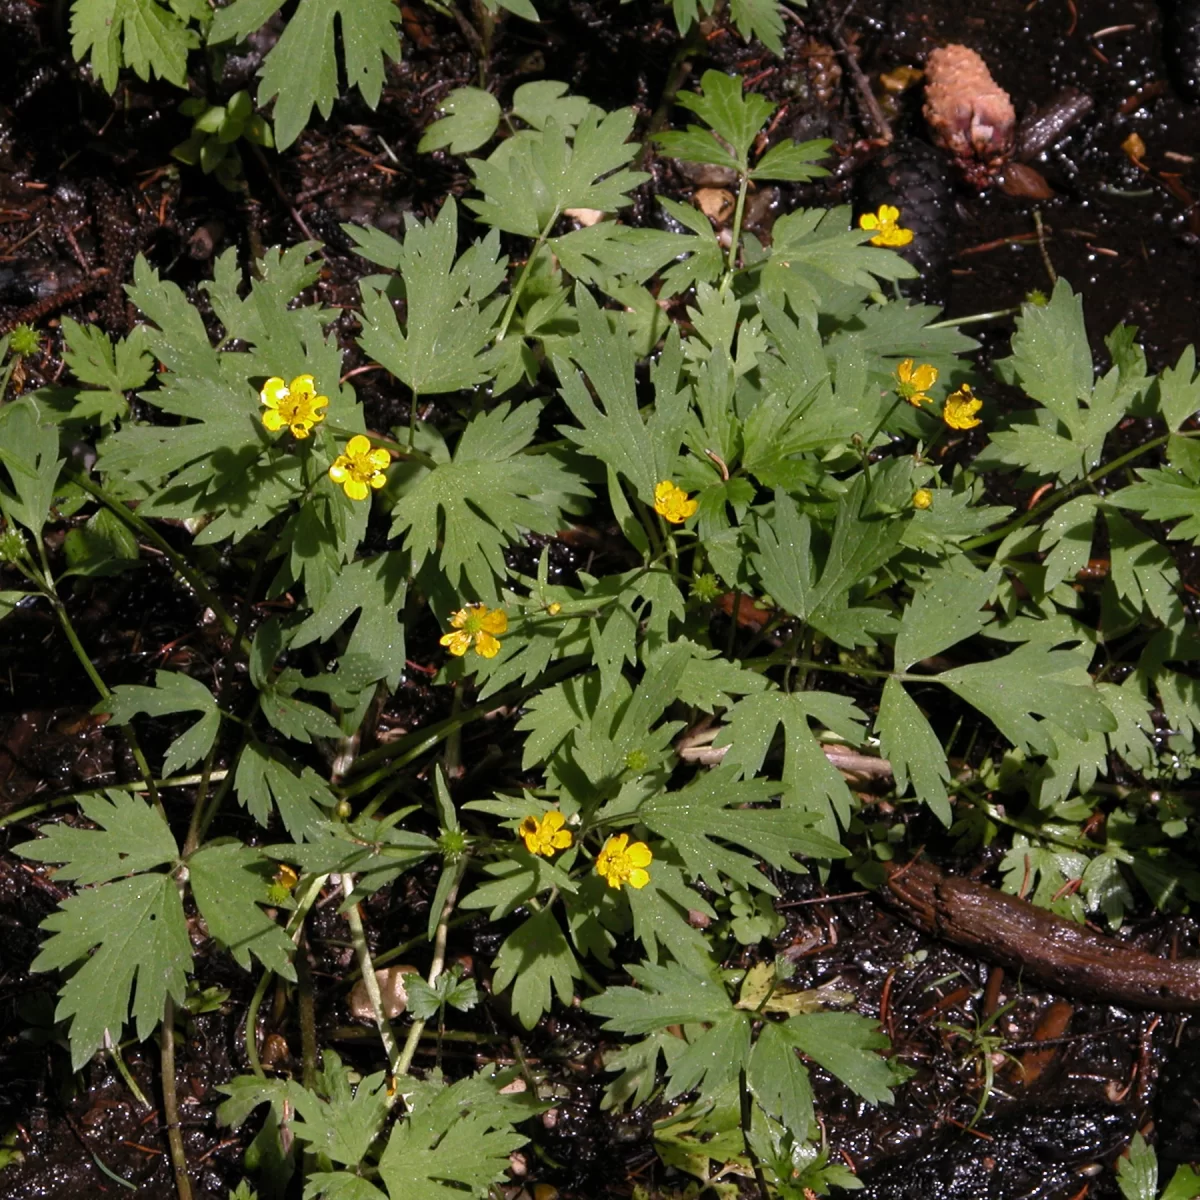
1037,944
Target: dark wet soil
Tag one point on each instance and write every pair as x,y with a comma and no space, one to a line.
86,182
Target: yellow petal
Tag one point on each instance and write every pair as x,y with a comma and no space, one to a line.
379,459
889,213
495,621
303,385
553,820
299,428
338,472
273,391
272,420
486,645
868,221
640,855
924,377
638,878
355,489
562,839
905,370
457,643
358,445
378,481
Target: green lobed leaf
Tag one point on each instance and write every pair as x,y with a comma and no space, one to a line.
29,453
267,778
540,964
443,347
469,509
1179,390
734,117
472,116
945,611
151,38
1034,680
714,1058
762,19
342,1123
127,934
847,1046
230,881
810,781
171,693
133,836
669,995
779,1081
544,100
531,179
715,809
913,749
301,69
461,1139
112,369
641,449
1170,493
793,161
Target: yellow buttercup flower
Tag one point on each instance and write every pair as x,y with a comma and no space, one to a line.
672,503
961,407
619,862
294,404
547,835
360,468
476,625
884,222
922,498
912,382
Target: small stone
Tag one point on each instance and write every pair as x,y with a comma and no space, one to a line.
716,204
391,992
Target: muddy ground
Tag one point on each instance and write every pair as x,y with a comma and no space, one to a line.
87,181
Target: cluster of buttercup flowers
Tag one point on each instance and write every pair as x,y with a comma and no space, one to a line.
619,861
358,470
913,383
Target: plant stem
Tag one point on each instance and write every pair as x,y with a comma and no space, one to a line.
736,232
64,620
183,1182
510,309
975,318
308,1015
185,570
1067,493
118,1059
436,967
252,1024
747,1115
295,928
399,753
363,951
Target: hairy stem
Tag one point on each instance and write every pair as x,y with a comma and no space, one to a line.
183,1182
363,952
436,967
510,310
181,565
